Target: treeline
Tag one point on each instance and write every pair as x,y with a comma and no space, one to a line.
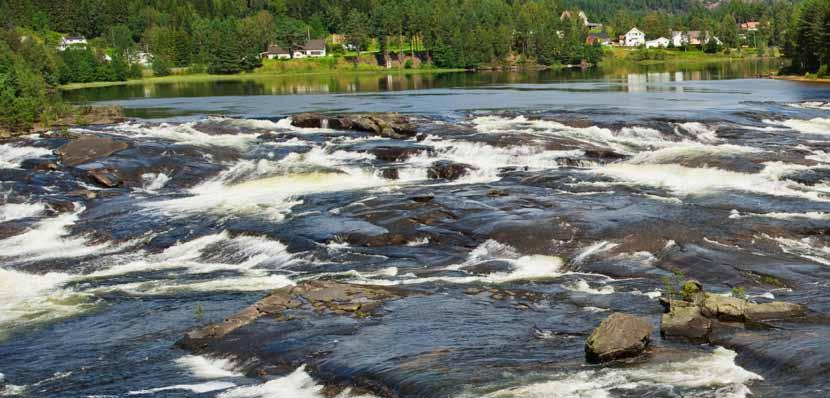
724,21
28,74
225,36
808,42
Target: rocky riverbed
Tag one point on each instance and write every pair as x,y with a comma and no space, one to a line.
423,255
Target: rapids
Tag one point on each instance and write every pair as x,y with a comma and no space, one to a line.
573,207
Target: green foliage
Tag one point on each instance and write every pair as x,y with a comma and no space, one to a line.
226,55
712,47
198,313
24,90
356,29
161,66
807,39
739,292
408,64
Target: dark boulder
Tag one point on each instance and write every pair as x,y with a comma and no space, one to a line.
604,155
390,173
40,165
447,170
88,148
618,336
390,125
308,120
60,206
398,153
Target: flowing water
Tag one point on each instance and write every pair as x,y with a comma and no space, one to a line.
725,178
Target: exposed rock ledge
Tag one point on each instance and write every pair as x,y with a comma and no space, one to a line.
390,125
694,317
338,298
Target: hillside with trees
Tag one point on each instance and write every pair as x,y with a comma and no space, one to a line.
227,36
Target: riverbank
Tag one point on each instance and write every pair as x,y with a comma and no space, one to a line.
802,79
266,72
74,116
617,55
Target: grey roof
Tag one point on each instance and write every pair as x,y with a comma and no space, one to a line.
275,49
314,45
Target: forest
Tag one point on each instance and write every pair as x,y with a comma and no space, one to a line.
227,36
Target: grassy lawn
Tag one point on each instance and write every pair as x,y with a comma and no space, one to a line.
675,56
275,68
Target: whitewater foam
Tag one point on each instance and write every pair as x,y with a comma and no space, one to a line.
31,298
12,156
819,126
16,211
628,140
184,133
51,238
200,388
700,181
714,374
209,368
154,181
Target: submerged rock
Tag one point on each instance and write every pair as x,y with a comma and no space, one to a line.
88,148
618,336
447,170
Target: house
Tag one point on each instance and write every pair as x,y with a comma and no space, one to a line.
658,43
72,41
311,48
750,26
275,52
693,37
634,38
678,39
601,38
142,58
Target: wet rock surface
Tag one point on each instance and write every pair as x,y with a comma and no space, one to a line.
697,315
472,260
88,148
618,336
390,125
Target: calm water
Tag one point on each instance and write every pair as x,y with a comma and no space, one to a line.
715,173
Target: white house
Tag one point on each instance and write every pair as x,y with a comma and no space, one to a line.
311,48
693,37
678,39
275,52
142,58
634,38
658,43
72,41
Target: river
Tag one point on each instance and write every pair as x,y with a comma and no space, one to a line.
584,191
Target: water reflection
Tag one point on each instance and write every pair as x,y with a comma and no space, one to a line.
627,77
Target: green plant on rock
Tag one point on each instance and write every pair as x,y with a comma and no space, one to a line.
197,312
739,292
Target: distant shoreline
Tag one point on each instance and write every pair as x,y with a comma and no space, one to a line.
205,77
801,79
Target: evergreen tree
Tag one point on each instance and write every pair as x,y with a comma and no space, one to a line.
226,56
